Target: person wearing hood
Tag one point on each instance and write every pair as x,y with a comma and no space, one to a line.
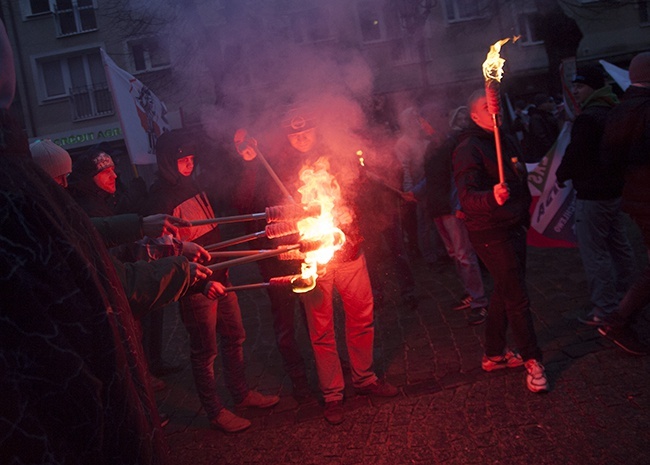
605,249
497,219
175,192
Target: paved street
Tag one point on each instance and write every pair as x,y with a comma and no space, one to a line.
448,411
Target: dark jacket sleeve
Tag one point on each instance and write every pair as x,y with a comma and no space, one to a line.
151,285
473,181
119,229
576,156
476,172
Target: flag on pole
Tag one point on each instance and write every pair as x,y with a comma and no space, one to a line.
621,76
142,115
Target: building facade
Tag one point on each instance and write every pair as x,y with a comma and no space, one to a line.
431,49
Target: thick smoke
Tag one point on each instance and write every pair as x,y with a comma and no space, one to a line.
246,68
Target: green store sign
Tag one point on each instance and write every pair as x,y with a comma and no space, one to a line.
88,137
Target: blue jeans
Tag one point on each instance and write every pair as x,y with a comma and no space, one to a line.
454,235
203,319
505,259
636,299
606,253
429,241
353,285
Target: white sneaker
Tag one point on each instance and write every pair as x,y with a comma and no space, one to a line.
536,376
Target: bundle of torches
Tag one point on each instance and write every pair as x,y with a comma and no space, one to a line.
312,223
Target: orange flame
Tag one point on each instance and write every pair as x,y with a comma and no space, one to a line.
320,188
362,161
493,64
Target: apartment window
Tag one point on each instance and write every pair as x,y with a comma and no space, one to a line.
465,10
78,77
37,7
378,22
644,13
370,21
525,14
148,54
74,16
309,26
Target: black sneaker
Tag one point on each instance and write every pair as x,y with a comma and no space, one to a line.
464,303
477,316
626,339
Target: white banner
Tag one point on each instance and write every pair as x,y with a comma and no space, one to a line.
554,213
142,115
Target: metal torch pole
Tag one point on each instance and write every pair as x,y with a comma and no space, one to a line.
497,143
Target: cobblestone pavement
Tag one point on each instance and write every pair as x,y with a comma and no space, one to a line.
448,411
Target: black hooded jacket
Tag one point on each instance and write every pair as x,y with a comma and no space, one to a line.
180,196
581,162
476,172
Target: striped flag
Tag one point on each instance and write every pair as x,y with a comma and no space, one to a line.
142,115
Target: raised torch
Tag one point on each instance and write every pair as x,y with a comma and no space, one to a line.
493,72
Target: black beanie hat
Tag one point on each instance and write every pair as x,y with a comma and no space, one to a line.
91,163
590,76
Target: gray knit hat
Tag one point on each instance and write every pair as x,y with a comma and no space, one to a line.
54,160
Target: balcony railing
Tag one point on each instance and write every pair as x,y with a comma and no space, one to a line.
89,102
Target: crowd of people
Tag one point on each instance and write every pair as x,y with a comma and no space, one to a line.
85,263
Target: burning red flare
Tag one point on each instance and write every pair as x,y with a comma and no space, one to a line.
319,188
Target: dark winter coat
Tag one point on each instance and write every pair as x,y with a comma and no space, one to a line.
180,196
73,381
626,146
581,162
542,132
438,171
476,172
94,201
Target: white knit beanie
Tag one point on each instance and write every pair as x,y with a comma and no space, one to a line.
54,159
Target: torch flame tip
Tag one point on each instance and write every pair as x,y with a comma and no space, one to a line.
493,64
